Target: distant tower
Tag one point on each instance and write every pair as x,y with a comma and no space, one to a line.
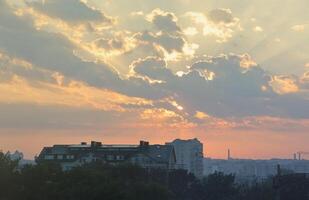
228,154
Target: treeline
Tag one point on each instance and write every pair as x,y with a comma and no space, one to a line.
126,182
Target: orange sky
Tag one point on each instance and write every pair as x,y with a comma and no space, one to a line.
256,145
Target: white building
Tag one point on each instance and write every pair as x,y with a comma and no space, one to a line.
246,170
189,155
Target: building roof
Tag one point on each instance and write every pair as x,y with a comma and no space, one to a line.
158,153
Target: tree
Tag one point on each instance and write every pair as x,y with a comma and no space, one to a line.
293,186
98,181
8,176
258,191
183,185
219,186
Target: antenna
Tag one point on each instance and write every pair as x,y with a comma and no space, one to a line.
229,154
300,153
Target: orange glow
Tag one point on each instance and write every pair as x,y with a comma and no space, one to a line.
243,144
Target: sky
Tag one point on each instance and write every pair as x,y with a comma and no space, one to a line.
233,73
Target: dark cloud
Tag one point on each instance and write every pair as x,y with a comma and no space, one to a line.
152,67
169,36
10,67
109,44
164,21
169,42
221,15
54,52
50,51
73,11
221,86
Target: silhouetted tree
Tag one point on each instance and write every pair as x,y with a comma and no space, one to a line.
219,186
258,191
293,186
8,177
99,181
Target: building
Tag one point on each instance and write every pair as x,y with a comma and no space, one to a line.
189,155
247,170
144,155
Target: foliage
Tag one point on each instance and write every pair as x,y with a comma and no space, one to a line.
8,176
99,181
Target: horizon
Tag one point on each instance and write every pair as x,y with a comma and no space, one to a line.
234,74
31,156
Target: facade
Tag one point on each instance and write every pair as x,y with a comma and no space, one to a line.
144,155
189,155
246,170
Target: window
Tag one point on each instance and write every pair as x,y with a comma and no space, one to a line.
49,157
119,157
66,168
110,157
70,156
59,157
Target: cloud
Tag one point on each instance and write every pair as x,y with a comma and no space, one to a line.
275,124
58,54
21,82
10,67
117,44
258,29
169,47
137,13
299,27
304,81
222,15
224,86
190,31
109,44
164,21
167,39
162,118
154,69
18,34
45,67
218,22
201,115
227,75
284,84
169,42
71,11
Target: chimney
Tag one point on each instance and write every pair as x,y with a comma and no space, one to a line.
96,144
143,143
228,154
